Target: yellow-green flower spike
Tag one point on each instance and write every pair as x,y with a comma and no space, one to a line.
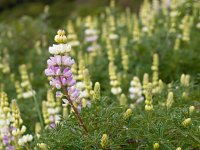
148,96
104,141
154,68
178,148
127,114
145,82
123,100
42,146
136,29
16,113
96,94
37,129
187,122
170,99
191,110
156,146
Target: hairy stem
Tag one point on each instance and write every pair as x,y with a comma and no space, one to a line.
75,110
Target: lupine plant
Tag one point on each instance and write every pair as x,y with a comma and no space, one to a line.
59,71
117,80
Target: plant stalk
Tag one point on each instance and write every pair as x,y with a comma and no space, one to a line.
75,110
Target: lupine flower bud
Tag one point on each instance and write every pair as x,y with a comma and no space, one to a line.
127,114
72,36
115,86
96,94
145,82
191,109
65,112
187,122
24,89
23,129
156,146
110,52
182,80
112,32
185,80
18,90
4,62
37,129
185,95
112,3
148,96
104,141
146,16
136,29
154,68
185,26
170,99
177,43
124,55
173,15
16,114
42,146
84,102
123,100
179,148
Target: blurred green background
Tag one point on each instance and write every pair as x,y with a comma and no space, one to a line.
13,9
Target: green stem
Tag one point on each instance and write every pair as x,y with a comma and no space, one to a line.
75,110
37,109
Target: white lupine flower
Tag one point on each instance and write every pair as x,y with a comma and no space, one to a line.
71,36
29,137
57,110
140,99
27,94
90,31
23,129
20,142
57,122
116,90
14,132
84,94
132,96
24,139
51,111
113,36
25,83
174,13
74,43
198,25
114,82
57,118
135,90
145,29
2,122
59,49
80,85
51,119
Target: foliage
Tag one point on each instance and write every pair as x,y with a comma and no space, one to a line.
154,53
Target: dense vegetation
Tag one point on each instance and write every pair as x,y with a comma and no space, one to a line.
137,74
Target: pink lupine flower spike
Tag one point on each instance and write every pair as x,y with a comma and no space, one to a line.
59,71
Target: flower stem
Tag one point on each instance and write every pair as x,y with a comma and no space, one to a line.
75,110
37,109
